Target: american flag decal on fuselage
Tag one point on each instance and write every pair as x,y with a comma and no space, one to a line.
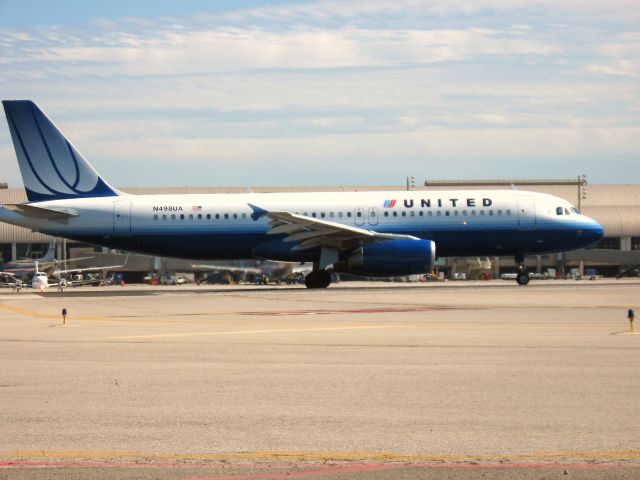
389,203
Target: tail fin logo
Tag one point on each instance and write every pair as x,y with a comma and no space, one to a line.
389,203
50,165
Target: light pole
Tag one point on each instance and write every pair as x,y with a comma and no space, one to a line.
582,191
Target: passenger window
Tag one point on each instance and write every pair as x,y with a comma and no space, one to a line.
173,216
164,217
199,216
313,214
386,214
473,213
226,216
421,213
456,213
322,214
499,212
191,216
208,216
559,211
430,214
359,214
217,216
464,213
235,215
244,215
339,214
508,212
395,214
413,214
490,213
331,214
482,212
155,217
446,213
404,214
439,213
349,214
182,216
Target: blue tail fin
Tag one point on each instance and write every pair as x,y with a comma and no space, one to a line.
51,167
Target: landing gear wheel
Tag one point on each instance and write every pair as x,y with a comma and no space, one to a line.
318,279
523,278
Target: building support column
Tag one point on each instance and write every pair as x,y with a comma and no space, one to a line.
14,251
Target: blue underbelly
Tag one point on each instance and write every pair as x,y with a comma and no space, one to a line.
240,245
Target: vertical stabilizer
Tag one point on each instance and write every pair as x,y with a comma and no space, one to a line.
51,167
50,256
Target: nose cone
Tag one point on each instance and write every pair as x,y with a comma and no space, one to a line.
592,232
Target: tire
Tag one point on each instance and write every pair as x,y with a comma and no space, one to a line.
523,279
318,279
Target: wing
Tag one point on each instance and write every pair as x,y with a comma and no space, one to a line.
8,280
88,269
59,272
225,268
312,232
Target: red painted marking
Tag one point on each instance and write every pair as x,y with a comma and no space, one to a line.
576,466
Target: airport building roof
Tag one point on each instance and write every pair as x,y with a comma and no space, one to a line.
616,207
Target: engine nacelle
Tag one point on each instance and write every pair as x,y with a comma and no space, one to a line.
391,258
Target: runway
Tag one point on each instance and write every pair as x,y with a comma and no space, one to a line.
360,380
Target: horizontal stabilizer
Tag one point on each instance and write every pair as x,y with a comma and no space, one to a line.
32,211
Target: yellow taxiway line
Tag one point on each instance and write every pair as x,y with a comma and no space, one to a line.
250,332
629,455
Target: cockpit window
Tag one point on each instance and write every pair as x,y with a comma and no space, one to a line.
575,210
566,211
559,211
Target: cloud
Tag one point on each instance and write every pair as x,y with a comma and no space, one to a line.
321,89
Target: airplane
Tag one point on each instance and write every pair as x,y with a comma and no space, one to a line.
8,280
366,233
40,280
32,271
25,268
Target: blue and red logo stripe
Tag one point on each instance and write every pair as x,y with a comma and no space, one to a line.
389,203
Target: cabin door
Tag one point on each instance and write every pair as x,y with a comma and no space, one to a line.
526,212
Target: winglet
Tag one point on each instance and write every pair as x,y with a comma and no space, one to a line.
257,212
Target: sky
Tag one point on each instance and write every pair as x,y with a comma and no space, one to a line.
204,93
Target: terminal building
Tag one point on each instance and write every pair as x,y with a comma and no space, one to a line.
616,207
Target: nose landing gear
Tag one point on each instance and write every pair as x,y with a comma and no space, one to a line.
523,277
523,274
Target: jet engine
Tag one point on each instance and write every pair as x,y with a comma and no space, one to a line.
390,258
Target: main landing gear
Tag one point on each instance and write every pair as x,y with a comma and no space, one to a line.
523,275
318,279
